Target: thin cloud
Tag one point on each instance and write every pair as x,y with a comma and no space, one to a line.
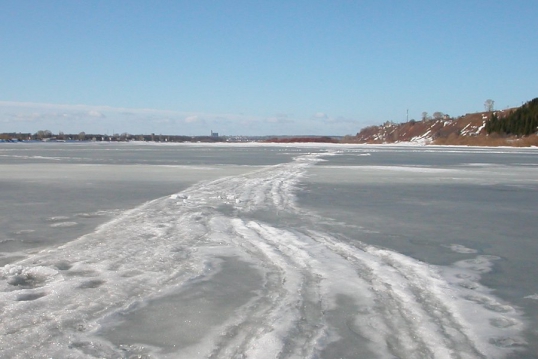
321,115
31,117
192,119
94,113
325,118
341,119
279,118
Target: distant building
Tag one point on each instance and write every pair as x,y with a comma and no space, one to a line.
214,134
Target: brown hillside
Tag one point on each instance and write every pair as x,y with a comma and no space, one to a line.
468,129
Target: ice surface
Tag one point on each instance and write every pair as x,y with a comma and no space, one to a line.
63,224
458,248
236,267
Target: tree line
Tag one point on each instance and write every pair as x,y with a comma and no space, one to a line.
521,122
46,135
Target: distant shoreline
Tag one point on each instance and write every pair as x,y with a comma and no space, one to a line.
318,144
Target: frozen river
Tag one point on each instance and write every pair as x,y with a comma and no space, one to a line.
267,251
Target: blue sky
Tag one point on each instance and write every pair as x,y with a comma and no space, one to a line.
258,67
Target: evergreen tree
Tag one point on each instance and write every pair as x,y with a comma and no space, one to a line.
522,122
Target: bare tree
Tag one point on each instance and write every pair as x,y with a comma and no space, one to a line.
488,105
438,115
425,116
82,136
43,134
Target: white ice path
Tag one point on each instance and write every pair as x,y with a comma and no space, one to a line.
53,303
